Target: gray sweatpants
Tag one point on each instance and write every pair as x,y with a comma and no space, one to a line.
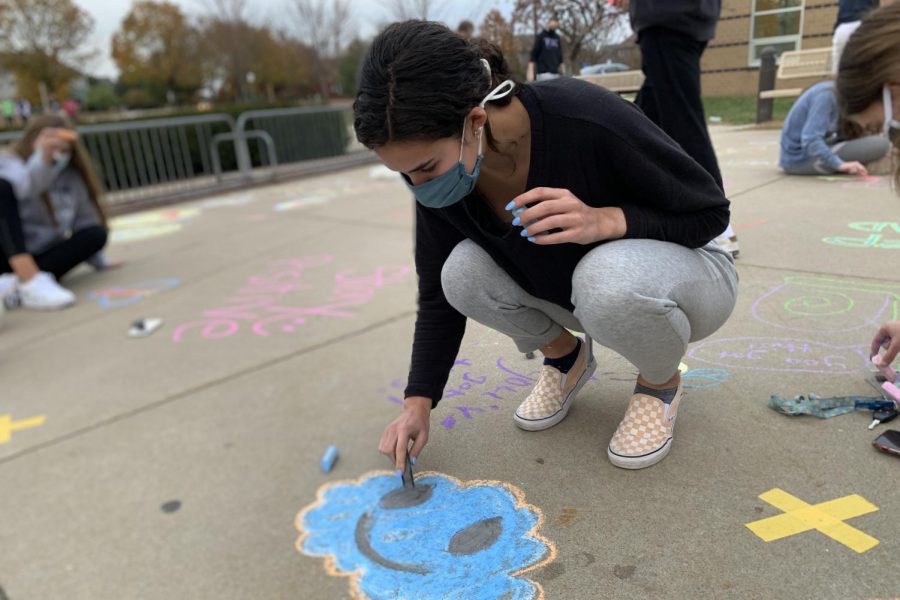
644,299
865,150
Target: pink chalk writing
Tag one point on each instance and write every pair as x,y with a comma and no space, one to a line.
265,304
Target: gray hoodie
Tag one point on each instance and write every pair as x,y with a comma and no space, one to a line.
68,193
697,18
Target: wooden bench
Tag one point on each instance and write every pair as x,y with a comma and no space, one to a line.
621,82
800,64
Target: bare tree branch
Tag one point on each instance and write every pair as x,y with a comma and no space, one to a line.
403,10
324,25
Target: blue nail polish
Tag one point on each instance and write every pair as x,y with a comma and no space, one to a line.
516,221
524,233
530,239
412,459
510,205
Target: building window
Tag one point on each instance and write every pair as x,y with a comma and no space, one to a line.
776,23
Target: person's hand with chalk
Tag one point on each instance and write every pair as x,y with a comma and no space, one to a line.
888,338
571,220
411,425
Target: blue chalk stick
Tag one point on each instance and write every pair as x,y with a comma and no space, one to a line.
329,458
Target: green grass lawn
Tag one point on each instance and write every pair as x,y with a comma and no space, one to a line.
741,110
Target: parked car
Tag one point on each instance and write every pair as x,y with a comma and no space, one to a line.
607,67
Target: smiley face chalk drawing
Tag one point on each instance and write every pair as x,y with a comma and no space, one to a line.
442,539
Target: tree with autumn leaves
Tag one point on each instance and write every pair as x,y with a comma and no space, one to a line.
153,50
41,41
163,55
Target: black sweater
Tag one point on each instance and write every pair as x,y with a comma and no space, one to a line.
696,18
607,153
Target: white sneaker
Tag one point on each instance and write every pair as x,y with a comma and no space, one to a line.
8,283
9,298
729,244
43,293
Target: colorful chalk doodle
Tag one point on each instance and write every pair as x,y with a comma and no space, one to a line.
264,304
827,304
146,225
780,355
702,378
119,296
472,393
876,237
239,200
442,539
854,183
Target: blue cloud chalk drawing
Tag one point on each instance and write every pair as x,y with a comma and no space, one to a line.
445,539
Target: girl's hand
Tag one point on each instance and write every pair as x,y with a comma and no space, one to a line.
412,424
854,167
887,337
556,208
54,140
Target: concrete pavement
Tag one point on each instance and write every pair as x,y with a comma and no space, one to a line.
175,466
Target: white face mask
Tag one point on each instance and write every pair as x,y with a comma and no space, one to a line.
889,122
61,161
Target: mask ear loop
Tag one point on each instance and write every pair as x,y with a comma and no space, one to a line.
501,91
888,102
888,107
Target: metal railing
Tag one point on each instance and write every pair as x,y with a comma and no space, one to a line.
159,160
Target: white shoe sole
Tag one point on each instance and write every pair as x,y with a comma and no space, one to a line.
548,422
640,462
47,308
647,460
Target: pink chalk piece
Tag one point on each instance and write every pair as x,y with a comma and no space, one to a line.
892,390
889,373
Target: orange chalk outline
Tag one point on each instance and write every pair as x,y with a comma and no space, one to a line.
357,593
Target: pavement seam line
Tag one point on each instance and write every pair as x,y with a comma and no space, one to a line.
754,188
199,388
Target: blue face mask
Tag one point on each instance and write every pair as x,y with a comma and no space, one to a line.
454,185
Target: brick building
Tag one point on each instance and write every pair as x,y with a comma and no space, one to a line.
731,62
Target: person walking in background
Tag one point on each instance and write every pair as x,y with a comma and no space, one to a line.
848,18
547,54
23,108
672,35
466,29
9,111
809,139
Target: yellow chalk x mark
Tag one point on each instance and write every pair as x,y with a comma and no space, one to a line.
8,426
826,517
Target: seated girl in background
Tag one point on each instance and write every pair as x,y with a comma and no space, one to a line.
810,142
57,197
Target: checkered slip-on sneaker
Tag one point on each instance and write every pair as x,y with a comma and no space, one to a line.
644,436
550,399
